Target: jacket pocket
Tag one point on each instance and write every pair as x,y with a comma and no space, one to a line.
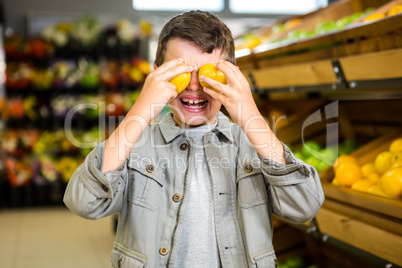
265,259
123,257
145,184
251,188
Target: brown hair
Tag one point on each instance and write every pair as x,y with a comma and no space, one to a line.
202,28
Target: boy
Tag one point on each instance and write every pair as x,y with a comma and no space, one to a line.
194,190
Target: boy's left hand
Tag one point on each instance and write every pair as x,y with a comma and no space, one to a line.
235,95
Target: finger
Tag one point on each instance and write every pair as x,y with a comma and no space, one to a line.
215,84
168,65
231,71
216,95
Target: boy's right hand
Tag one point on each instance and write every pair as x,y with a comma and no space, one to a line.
157,91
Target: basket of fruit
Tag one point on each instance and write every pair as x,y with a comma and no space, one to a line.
369,179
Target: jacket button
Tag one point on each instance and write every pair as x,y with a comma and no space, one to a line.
183,146
105,188
163,251
248,168
176,198
119,263
150,168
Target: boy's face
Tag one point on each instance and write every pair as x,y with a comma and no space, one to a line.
193,107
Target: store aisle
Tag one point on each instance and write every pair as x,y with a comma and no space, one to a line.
53,237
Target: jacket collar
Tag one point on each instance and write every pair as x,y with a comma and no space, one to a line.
171,130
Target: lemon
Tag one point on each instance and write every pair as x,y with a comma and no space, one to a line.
344,158
209,70
374,177
362,185
335,181
396,156
395,10
181,81
375,16
348,173
383,162
396,164
376,190
368,169
391,182
396,145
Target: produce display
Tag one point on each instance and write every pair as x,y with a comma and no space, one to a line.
382,177
320,157
295,28
80,70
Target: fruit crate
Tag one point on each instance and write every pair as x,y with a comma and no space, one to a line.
366,221
363,50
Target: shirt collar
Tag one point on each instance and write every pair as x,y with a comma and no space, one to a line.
171,130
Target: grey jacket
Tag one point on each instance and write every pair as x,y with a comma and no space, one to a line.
149,192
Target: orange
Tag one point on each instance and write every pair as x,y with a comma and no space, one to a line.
368,169
376,189
374,177
391,182
181,81
348,173
362,185
291,24
209,70
374,16
383,162
395,10
396,145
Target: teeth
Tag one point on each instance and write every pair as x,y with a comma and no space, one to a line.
196,101
191,102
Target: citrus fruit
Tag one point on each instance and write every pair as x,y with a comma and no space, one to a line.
368,169
181,81
396,156
376,190
335,181
374,177
391,182
362,185
343,159
348,173
395,10
396,145
209,70
383,162
396,164
375,16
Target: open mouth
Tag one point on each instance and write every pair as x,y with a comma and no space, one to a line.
194,104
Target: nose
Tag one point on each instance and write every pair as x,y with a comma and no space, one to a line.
194,82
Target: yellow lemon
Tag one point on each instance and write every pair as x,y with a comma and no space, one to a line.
383,162
374,177
344,158
362,185
395,10
368,169
335,181
181,81
391,182
375,16
209,70
396,145
396,164
376,190
348,173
